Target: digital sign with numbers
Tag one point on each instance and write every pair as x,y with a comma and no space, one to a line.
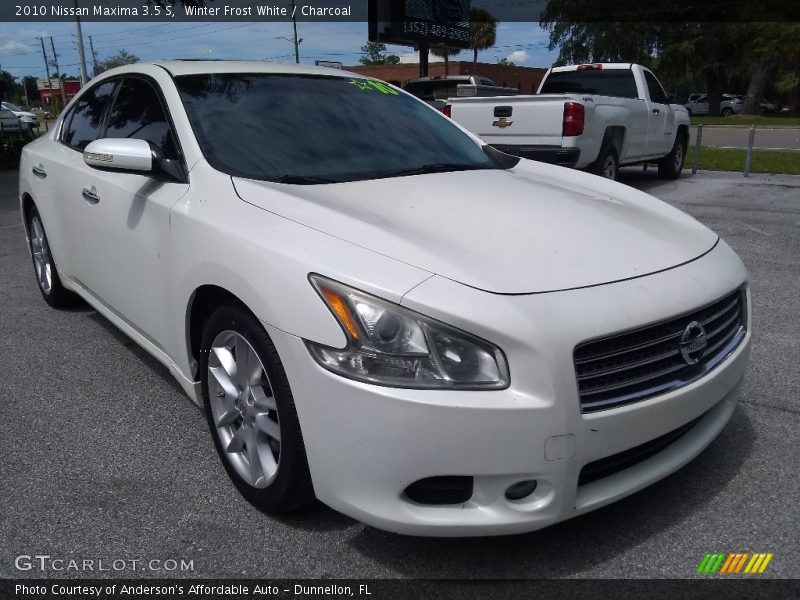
408,22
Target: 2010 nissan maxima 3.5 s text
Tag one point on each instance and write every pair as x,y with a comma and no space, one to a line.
375,308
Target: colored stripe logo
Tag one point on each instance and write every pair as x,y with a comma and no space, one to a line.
733,563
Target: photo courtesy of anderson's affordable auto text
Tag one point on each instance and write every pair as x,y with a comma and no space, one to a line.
399,299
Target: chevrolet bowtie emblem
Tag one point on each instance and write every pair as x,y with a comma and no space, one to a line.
502,123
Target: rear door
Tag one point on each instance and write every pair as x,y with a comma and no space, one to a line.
125,224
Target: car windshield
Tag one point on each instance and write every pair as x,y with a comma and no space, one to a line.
319,129
10,106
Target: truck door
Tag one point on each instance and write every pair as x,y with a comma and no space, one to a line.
660,131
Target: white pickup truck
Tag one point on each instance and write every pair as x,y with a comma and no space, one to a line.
595,117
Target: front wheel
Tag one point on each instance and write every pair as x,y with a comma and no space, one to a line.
44,267
671,165
727,112
607,163
251,414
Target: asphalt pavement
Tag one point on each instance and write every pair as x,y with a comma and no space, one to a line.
104,458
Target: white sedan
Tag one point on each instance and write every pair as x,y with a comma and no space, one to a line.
375,308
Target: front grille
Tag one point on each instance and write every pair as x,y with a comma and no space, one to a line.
639,364
615,463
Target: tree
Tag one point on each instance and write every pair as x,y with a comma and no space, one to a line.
122,57
482,31
506,62
7,85
375,53
445,53
773,56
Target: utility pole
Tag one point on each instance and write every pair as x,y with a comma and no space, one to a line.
49,81
58,72
94,57
81,54
296,42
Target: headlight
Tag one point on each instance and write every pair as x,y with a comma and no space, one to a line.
393,346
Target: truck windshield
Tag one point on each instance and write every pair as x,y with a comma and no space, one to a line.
319,129
598,82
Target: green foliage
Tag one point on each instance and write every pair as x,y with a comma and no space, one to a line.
482,31
11,149
506,62
122,57
374,53
8,85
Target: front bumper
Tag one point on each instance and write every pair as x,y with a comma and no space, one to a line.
366,443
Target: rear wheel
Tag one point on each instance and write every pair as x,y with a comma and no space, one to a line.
671,165
607,163
251,414
44,267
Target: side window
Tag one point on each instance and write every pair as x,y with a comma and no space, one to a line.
657,93
87,116
138,113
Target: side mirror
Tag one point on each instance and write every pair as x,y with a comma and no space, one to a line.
119,154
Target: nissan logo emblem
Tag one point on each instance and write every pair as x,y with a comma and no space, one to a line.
693,341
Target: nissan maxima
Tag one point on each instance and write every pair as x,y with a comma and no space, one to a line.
376,309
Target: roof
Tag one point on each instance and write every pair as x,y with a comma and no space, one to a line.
604,66
198,67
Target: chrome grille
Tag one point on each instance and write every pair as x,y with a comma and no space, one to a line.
642,363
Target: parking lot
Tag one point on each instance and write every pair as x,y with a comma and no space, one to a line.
103,457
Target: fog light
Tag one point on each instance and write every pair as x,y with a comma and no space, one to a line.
521,489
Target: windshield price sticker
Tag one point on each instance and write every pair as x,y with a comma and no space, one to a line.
370,85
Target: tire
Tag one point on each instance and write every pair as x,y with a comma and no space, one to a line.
44,266
727,111
671,165
252,418
607,163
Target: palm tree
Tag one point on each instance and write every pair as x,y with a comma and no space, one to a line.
482,31
445,53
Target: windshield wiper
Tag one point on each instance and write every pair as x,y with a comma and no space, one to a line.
434,168
302,180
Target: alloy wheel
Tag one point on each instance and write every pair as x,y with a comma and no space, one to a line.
679,158
244,409
609,168
41,255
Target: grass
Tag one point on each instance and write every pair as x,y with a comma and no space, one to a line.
780,120
764,161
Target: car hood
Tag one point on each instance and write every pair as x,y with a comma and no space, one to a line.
533,228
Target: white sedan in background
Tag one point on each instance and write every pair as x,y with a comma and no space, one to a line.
29,120
376,309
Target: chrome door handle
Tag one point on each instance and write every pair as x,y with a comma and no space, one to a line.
39,172
90,195
656,111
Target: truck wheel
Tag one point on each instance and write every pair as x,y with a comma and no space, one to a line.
671,165
607,163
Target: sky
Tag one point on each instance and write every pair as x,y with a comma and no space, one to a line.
21,52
